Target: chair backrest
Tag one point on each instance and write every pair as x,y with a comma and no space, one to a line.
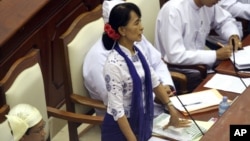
77,40
23,83
85,30
149,10
5,131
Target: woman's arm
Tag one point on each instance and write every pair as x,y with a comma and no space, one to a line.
125,128
174,119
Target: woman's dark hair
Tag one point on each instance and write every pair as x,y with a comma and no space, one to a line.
119,16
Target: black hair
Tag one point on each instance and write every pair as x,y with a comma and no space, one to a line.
119,16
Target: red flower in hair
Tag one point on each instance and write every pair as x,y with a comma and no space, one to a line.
111,32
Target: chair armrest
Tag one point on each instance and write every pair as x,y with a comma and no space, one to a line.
88,101
181,79
74,117
200,67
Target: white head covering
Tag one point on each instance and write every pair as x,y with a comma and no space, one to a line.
107,7
22,117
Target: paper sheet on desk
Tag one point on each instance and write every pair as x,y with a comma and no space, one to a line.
227,83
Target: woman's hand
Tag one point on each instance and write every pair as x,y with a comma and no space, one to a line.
175,120
168,90
169,93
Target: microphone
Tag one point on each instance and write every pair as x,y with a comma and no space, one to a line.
234,64
189,114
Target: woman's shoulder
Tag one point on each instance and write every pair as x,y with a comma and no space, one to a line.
114,57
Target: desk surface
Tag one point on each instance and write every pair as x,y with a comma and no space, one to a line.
213,113
205,116
238,113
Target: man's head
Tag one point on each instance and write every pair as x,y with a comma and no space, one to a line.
26,123
208,3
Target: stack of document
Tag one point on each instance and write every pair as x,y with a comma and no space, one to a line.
242,58
197,102
190,133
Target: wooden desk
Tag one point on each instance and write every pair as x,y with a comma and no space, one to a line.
213,113
226,67
205,116
238,113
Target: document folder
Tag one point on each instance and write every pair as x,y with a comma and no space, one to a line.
197,102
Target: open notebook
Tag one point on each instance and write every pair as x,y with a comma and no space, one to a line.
197,102
242,58
190,133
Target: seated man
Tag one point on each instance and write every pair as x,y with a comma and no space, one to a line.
93,68
26,123
238,9
182,27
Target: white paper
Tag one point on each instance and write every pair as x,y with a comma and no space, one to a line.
227,83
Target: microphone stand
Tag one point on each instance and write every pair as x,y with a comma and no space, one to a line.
234,64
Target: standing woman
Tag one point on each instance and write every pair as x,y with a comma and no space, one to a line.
130,81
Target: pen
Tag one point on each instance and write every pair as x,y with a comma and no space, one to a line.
195,103
220,44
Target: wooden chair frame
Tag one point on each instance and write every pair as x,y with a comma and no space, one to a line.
71,98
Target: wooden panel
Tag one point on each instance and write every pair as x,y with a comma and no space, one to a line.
91,4
14,14
38,24
51,50
12,27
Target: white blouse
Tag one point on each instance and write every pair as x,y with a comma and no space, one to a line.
119,83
